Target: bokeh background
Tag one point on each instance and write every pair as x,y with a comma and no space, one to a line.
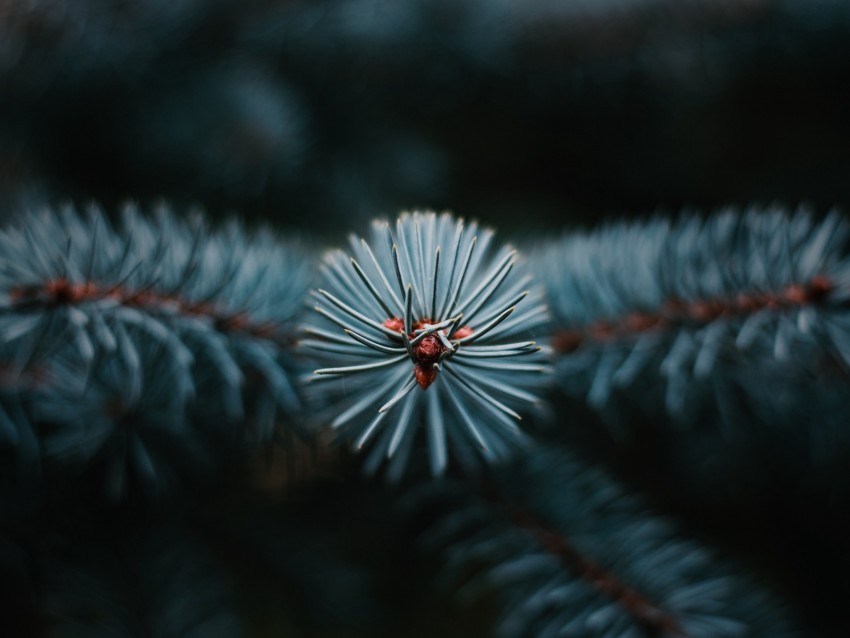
323,113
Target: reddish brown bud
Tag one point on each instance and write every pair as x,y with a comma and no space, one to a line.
463,331
425,375
428,350
395,324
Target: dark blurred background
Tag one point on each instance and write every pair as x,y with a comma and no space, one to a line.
323,113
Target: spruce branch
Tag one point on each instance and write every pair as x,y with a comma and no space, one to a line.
155,336
569,553
426,326
699,315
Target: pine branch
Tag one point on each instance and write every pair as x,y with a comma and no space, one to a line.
157,338
428,305
568,552
699,317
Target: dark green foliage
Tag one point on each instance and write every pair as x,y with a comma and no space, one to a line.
144,347
714,350
569,553
720,319
714,347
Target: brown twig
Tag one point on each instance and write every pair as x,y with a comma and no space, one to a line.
676,312
60,292
639,606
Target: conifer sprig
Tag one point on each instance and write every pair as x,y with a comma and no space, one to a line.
426,325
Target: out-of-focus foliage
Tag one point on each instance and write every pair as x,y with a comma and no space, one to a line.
151,347
702,318
724,336
569,553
